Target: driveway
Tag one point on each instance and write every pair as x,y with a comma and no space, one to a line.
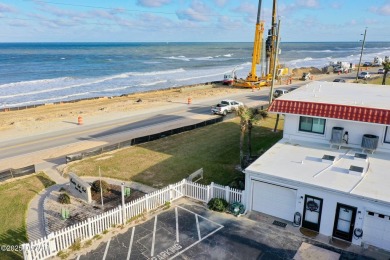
189,231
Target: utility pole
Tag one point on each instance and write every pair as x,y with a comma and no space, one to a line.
101,188
274,64
361,54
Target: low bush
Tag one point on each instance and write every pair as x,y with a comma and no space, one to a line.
96,186
218,204
64,198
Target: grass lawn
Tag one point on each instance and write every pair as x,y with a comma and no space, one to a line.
378,80
168,160
15,197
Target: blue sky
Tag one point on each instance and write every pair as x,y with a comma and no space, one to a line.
189,20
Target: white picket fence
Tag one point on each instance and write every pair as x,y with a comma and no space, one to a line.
61,240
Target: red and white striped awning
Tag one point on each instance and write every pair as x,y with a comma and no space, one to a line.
353,113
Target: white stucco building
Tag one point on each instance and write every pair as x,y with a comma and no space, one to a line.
331,170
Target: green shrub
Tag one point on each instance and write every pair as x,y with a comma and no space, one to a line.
76,245
96,186
64,198
218,204
263,113
62,254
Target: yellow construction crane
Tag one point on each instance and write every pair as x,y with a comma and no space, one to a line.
253,80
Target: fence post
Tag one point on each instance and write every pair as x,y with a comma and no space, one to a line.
51,244
26,252
170,193
89,228
183,187
147,202
212,190
123,211
227,193
208,193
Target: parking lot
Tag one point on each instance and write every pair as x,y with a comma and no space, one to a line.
189,231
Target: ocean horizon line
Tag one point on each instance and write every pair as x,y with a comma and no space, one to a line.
167,42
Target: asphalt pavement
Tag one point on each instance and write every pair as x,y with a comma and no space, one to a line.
190,231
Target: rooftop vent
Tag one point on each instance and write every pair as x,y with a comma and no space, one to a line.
360,156
356,170
328,158
370,142
337,135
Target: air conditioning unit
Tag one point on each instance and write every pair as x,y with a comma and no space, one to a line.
337,135
370,142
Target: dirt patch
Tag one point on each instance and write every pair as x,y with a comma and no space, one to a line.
79,210
298,72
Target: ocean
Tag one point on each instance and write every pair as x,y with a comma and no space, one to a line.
36,73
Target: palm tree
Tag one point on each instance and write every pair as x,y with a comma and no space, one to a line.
248,118
256,116
386,68
245,114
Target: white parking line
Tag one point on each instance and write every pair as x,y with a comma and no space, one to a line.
200,216
154,236
177,226
105,252
131,244
197,227
200,239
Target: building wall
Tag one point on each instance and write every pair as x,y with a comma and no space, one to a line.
356,130
330,200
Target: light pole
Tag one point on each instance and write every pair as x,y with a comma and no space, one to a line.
361,54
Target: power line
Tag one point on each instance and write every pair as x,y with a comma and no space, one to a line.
133,26
124,9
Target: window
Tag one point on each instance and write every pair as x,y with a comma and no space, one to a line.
387,135
312,125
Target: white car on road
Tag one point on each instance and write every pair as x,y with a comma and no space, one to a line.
364,75
226,106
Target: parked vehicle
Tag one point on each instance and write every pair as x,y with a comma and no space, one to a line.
367,64
306,76
381,71
339,80
364,75
280,92
377,62
226,106
339,69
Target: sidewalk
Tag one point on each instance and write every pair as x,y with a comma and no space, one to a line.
35,219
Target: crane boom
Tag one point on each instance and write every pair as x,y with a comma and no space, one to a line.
256,56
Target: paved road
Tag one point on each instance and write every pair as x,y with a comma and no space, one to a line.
116,130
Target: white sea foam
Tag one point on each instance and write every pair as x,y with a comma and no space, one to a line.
32,82
228,55
183,58
153,83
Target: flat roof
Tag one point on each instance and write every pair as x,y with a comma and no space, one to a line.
303,162
350,94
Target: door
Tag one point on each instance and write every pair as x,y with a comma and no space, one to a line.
377,230
344,222
312,213
274,200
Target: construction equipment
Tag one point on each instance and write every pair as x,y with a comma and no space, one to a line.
271,50
252,80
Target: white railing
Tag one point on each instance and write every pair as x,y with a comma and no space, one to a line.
61,240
